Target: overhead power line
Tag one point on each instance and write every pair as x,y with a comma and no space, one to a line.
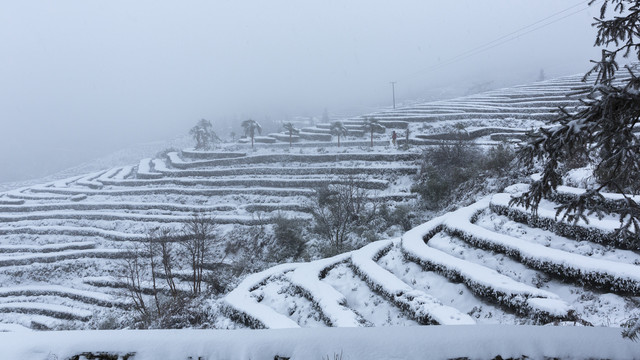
505,38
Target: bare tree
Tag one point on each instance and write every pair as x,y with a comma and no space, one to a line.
151,251
165,236
199,234
134,275
337,210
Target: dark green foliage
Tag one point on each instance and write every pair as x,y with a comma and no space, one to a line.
497,160
102,356
460,168
204,135
289,240
631,329
402,215
602,132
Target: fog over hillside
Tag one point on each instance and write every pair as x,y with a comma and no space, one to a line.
80,80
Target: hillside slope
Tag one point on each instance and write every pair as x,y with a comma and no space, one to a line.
62,243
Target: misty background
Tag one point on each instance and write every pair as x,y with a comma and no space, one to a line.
82,79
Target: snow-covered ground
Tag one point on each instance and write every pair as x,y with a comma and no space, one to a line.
381,343
62,242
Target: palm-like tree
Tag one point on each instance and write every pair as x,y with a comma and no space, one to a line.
372,125
291,130
338,129
250,126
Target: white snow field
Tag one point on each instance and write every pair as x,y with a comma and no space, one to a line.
381,343
479,276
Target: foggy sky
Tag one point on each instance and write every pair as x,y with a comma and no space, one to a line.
79,79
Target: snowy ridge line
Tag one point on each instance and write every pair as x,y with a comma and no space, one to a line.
331,304
65,182
144,170
61,256
434,142
110,173
608,275
124,173
408,343
316,144
484,107
522,115
598,231
241,306
471,134
8,201
55,311
87,297
36,322
80,215
13,328
332,169
470,117
175,190
146,286
72,231
613,200
420,306
270,207
115,206
83,245
328,169
89,180
20,194
177,162
272,182
542,306
204,154
569,191
504,99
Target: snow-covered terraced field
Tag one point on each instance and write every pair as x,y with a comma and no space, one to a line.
78,230
62,242
470,266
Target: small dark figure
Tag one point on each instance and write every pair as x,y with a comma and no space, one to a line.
394,137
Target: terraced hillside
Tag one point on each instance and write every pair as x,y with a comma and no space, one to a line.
486,263
497,115
62,242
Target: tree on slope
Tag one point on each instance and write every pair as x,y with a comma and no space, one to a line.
338,129
250,127
601,133
204,135
372,125
291,130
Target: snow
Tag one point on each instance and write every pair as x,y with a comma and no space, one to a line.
60,311
382,343
473,274
547,210
460,220
242,301
418,302
332,303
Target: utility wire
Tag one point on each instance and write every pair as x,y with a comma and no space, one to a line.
504,39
